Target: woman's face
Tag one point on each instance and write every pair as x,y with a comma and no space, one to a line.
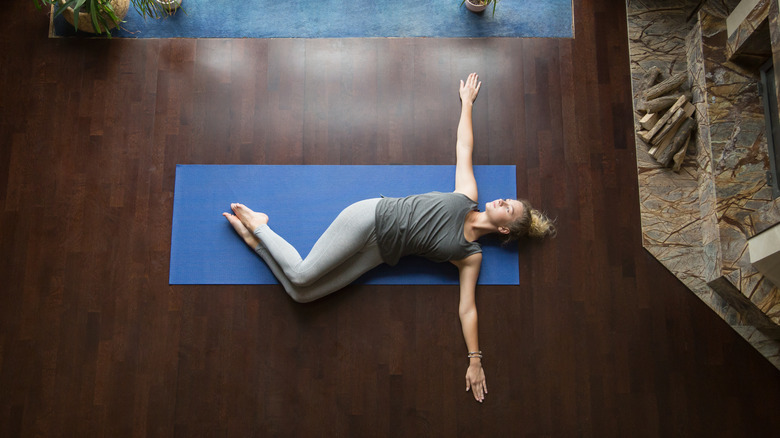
503,211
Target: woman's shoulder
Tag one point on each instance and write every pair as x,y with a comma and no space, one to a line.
463,196
452,199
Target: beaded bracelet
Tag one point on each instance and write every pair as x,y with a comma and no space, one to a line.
475,354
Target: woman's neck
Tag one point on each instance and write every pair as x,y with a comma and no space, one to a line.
477,225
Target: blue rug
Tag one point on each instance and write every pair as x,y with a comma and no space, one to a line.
301,202
347,19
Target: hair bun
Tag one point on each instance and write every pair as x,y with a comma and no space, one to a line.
541,226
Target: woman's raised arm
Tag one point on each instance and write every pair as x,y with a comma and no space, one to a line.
464,171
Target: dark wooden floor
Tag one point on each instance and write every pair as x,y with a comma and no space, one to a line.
599,340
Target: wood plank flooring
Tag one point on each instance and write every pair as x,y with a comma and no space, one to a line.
599,339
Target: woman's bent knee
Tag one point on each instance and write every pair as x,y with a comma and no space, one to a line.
299,279
299,297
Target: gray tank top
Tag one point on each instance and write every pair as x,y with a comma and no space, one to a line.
428,225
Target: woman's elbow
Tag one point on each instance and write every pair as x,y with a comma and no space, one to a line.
466,313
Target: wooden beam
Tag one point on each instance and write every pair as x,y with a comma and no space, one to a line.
679,157
648,121
660,103
680,102
666,86
677,141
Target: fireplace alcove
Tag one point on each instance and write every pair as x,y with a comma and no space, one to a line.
699,222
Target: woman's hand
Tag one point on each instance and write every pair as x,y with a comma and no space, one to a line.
470,89
475,381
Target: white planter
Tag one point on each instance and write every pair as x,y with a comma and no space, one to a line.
473,7
170,5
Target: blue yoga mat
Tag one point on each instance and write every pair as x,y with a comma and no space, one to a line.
301,202
347,19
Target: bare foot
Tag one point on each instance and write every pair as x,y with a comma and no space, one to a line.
251,219
248,237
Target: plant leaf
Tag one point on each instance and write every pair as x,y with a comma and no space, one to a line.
96,18
79,3
59,8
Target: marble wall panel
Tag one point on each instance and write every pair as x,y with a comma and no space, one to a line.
695,222
749,314
707,194
669,202
670,218
761,292
774,34
767,217
772,214
656,35
750,43
737,159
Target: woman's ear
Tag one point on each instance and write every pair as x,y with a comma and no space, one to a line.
503,230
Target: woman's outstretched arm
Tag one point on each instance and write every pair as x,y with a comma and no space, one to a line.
464,171
467,310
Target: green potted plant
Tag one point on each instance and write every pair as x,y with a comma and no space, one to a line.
479,5
100,16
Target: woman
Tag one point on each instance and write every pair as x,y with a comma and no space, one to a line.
439,226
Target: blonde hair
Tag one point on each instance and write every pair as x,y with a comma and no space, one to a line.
531,223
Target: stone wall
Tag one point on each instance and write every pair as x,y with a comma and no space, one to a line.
697,222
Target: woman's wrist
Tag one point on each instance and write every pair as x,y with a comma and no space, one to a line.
475,357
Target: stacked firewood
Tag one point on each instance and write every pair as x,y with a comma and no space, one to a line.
667,125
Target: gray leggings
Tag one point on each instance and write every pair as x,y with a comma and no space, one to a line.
344,252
